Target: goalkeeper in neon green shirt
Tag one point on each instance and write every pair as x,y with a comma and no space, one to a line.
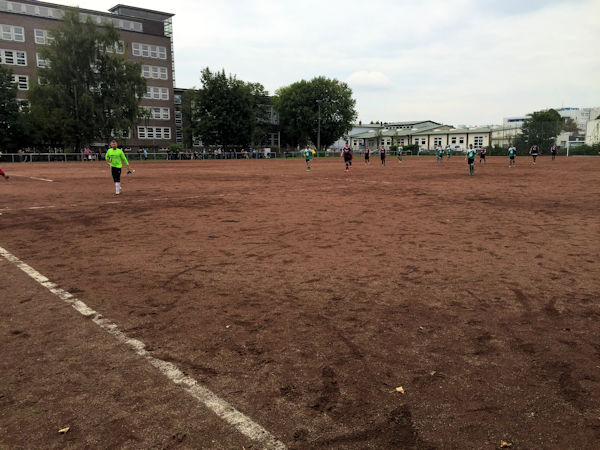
115,158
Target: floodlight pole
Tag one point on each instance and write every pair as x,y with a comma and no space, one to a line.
319,127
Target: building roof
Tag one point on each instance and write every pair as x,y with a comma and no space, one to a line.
142,13
454,131
372,134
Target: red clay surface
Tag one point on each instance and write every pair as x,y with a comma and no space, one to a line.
304,299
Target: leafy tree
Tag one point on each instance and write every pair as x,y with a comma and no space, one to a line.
302,103
9,111
541,129
90,89
571,126
228,112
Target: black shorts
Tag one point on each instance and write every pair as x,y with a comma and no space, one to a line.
512,157
482,156
470,161
116,174
347,158
367,157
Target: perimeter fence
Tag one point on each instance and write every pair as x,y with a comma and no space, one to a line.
199,155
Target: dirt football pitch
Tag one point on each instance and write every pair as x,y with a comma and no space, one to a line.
304,300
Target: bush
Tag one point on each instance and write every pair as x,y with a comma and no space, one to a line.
414,148
585,149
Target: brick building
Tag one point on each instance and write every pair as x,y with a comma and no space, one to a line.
146,37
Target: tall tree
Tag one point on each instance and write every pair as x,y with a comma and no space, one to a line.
97,89
321,104
541,128
227,111
571,126
9,111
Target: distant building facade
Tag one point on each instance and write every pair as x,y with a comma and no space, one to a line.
146,37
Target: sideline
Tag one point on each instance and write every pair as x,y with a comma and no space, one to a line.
220,407
33,178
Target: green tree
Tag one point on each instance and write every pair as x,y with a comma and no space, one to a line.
9,111
541,128
571,126
88,86
305,105
228,112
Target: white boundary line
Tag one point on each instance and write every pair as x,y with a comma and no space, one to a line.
113,202
220,407
33,178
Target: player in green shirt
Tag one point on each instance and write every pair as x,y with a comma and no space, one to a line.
308,154
439,153
471,159
115,158
512,151
449,151
400,150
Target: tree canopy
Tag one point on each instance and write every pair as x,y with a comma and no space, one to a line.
541,128
571,126
88,91
9,110
228,112
300,105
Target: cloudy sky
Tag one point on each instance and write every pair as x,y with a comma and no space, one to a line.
456,61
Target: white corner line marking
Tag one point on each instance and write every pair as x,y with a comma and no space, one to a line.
42,179
220,407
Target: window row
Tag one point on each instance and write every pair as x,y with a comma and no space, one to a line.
156,72
22,82
13,57
156,93
149,51
154,132
12,33
58,13
158,113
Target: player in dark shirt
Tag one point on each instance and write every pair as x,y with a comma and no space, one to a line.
382,155
347,155
367,155
534,152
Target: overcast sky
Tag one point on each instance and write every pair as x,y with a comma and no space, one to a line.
457,61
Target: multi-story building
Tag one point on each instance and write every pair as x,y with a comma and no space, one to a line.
146,37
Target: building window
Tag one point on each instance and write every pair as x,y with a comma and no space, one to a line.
461,140
41,62
156,93
149,51
154,132
155,72
13,57
159,113
117,47
178,118
42,37
423,141
177,99
478,141
437,141
454,139
11,33
22,82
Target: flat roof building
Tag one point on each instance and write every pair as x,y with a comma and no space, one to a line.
146,37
